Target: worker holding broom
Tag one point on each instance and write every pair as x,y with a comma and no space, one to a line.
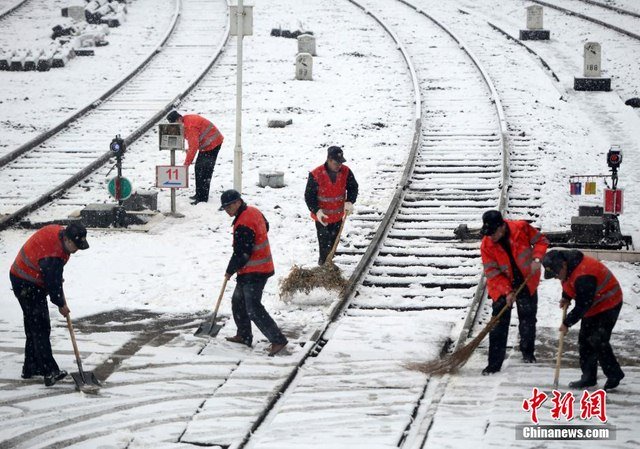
252,261
598,300
35,273
511,253
331,191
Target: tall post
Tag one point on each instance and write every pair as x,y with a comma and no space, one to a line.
173,191
237,152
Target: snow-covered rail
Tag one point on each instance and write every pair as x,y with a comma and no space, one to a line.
601,14
142,99
7,8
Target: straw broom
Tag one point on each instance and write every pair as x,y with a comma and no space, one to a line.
327,275
457,359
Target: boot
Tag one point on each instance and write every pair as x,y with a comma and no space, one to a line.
239,339
51,379
612,382
582,383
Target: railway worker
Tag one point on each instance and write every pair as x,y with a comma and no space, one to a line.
204,138
330,193
511,253
37,272
598,300
252,262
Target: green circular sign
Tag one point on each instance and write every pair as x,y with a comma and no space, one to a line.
126,188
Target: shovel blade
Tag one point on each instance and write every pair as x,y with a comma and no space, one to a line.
208,329
89,384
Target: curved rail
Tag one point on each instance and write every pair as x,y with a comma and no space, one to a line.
58,190
365,263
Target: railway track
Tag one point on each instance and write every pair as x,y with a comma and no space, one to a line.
9,6
414,293
79,146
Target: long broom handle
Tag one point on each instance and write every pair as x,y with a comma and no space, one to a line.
506,306
75,346
556,376
215,311
335,243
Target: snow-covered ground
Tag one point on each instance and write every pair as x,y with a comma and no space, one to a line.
174,389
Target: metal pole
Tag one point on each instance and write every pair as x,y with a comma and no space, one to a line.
237,153
173,191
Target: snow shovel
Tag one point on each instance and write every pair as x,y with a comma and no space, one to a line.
85,381
556,377
210,328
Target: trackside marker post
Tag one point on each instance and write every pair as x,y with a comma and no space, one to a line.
172,176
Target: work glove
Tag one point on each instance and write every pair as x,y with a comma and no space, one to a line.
348,208
321,217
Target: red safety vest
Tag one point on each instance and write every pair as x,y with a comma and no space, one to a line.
260,260
331,196
46,242
201,134
526,243
608,292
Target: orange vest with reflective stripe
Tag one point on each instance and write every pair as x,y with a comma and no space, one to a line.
201,134
331,196
260,260
608,292
526,243
46,242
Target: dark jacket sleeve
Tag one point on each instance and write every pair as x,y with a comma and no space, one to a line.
311,194
243,238
585,293
52,269
352,188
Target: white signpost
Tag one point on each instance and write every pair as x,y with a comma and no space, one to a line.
172,176
592,79
304,67
307,44
535,30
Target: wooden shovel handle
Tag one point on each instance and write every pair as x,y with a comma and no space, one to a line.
224,285
335,243
556,376
72,334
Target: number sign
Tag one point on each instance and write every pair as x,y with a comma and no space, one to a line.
172,176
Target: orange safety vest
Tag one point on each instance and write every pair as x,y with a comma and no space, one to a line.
526,243
201,134
608,292
331,196
260,260
46,242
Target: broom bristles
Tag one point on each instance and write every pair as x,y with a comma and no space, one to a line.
304,280
455,361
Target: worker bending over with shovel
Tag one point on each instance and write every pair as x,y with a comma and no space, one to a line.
511,252
330,193
252,261
598,300
37,272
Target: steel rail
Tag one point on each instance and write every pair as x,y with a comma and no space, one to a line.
12,8
318,341
58,190
588,18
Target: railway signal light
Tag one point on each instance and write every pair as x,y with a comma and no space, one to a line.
614,157
117,146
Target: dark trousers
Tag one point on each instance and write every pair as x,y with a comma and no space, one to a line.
527,307
326,237
246,305
595,333
205,163
38,357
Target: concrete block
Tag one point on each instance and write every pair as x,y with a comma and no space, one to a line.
587,229
534,35
141,200
274,179
278,123
592,84
100,215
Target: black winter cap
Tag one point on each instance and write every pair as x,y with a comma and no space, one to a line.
173,116
552,263
228,197
491,221
77,233
336,154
